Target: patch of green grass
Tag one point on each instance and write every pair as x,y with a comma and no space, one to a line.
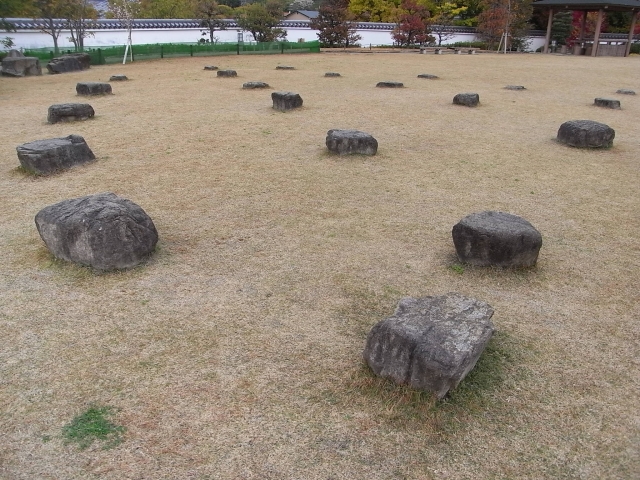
29,173
457,268
94,424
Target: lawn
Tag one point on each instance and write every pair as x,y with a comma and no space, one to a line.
235,351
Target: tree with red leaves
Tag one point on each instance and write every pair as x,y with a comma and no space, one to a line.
414,24
336,25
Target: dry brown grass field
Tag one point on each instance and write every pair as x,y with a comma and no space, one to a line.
235,351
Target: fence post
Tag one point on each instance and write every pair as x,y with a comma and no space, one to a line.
191,50
281,47
238,46
100,59
161,51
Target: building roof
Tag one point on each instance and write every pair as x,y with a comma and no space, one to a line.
311,14
610,5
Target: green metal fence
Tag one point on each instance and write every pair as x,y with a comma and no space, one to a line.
102,56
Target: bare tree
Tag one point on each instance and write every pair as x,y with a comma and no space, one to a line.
79,13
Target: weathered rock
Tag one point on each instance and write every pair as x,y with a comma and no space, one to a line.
624,91
467,99
103,231
285,67
428,76
13,53
252,85
514,87
496,239
118,78
286,100
586,134
349,142
227,73
607,103
390,85
332,74
210,67
71,62
43,157
93,88
430,343
21,66
69,112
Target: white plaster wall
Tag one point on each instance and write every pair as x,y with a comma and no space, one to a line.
104,38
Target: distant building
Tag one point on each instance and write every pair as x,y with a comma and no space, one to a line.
301,15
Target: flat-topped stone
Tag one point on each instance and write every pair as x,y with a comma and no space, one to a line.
496,239
253,85
428,76
93,88
607,103
210,67
21,66
586,134
350,142
624,91
284,101
390,85
467,99
44,157
102,231
69,112
332,74
514,87
430,343
118,78
227,73
71,62
285,67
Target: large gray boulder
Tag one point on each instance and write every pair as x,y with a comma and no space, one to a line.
103,231
21,66
586,134
69,112
44,157
496,239
428,76
430,343
625,91
284,101
467,99
71,62
285,67
93,88
118,78
227,73
349,142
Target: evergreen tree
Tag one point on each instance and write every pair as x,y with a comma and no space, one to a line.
262,20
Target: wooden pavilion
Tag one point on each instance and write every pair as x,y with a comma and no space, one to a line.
591,46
